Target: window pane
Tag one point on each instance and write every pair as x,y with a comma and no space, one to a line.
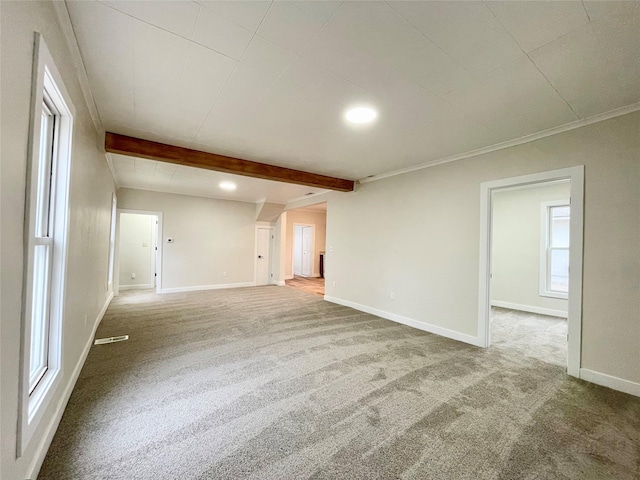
43,205
40,314
559,235
559,274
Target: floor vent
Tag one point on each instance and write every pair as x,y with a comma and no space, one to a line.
120,338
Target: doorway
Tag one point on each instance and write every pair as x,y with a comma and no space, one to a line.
489,191
264,237
303,248
139,250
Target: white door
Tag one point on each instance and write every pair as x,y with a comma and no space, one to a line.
262,260
297,250
307,251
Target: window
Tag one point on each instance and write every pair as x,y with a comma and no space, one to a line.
554,258
46,206
112,241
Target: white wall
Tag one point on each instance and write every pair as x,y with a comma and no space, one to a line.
418,236
306,217
516,248
210,236
137,250
90,211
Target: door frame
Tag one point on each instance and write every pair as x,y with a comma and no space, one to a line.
255,255
574,317
158,257
313,248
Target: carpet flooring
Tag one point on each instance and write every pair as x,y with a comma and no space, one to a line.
274,383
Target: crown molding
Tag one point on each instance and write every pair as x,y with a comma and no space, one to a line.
81,72
634,107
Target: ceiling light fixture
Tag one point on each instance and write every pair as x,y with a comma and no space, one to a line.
228,186
360,115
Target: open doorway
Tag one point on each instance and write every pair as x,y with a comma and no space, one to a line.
139,250
305,248
530,269
526,290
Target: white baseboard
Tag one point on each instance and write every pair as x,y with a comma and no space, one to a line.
197,288
146,286
288,277
280,283
528,308
626,386
45,443
427,327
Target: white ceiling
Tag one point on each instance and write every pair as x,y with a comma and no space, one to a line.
269,81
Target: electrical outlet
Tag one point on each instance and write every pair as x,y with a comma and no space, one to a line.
333,283
392,295
331,249
133,276
224,274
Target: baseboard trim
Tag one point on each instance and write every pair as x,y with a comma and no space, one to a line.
147,286
427,327
620,384
528,308
197,288
280,283
288,277
51,429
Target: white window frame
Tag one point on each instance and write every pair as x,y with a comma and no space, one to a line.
545,249
112,242
46,78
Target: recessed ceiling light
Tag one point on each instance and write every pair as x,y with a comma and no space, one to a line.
361,115
229,186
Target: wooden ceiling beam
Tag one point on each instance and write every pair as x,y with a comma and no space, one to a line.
137,147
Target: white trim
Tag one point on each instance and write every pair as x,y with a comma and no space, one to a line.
43,447
146,286
616,383
529,308
510,143
280,283
574,320
289,277
197,288
427,327
158,255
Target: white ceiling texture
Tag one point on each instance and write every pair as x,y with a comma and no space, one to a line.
269,81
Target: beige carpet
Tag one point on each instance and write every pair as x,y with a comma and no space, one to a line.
274,383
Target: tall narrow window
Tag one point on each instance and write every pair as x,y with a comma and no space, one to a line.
46,221
43,245
112,241
554,261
